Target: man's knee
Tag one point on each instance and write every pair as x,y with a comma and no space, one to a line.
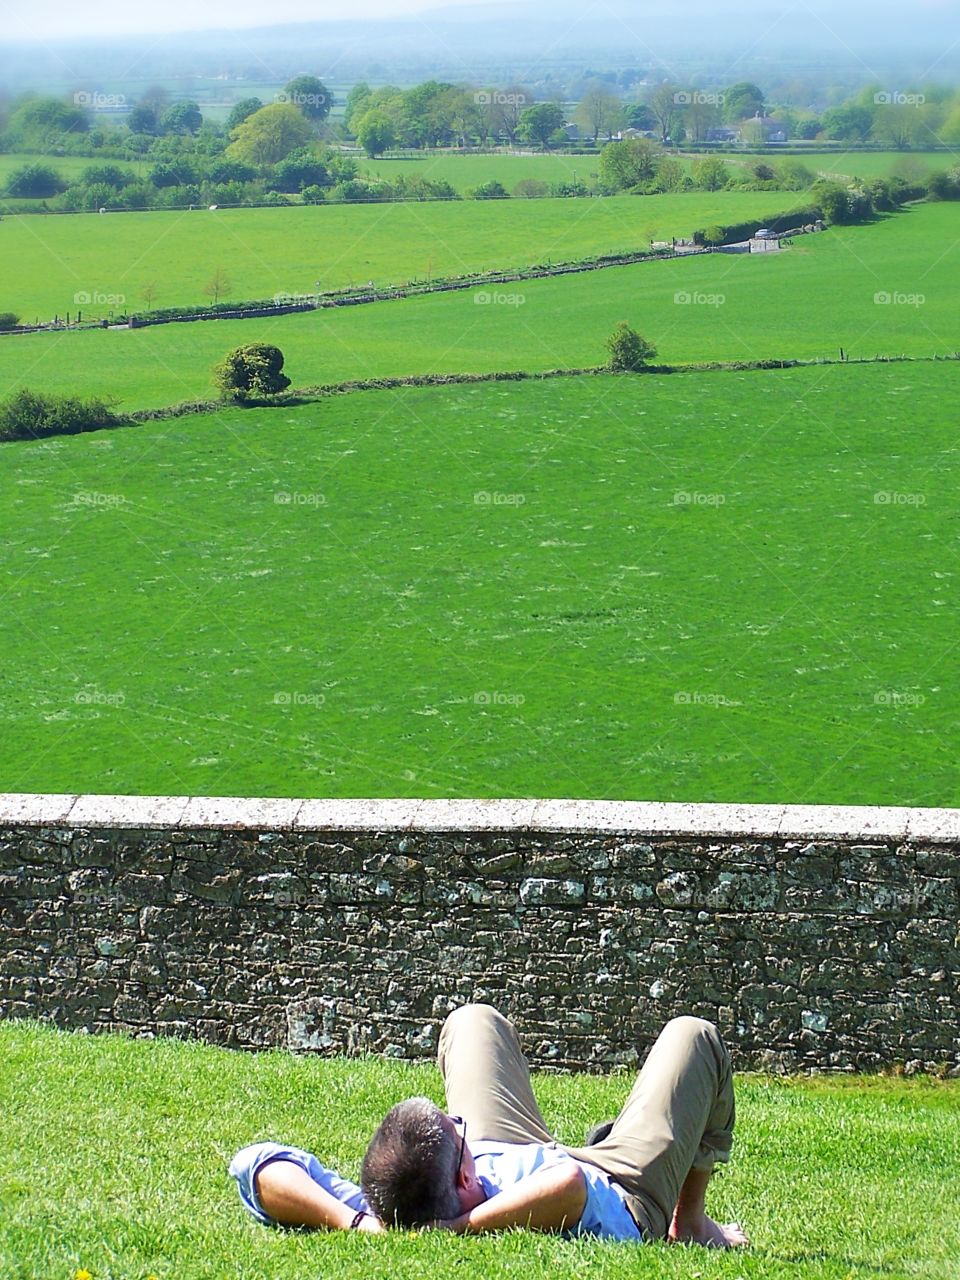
471,1017
689,1031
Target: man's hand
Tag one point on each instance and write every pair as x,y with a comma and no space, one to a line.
371,1224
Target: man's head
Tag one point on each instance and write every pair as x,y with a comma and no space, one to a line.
416,1166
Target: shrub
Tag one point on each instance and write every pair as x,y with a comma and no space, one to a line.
531,189
35,182
8,320
490,191
628,350
713,234
254,370
33,415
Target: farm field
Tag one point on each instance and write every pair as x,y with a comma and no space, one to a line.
116,1165
263,252
805,302
466,171
699,587
883,164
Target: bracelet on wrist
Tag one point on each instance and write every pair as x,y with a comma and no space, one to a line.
358,1217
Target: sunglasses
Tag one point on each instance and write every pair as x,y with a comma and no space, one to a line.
459,1120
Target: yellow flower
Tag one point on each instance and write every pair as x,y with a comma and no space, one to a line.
83,1275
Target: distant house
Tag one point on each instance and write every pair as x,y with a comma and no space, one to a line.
723,133
769,128
634,133
572,131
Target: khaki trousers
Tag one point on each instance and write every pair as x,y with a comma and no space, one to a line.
679,1115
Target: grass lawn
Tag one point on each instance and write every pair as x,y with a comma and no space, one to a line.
322,601
47,261
807,301
116,1152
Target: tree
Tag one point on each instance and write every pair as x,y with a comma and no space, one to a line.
254,370
241,111
149,293
375,133
35,182
109,175
142,120
538,124
665,105
182,117
218,285
711,174
899,125
639,116
742,100
511,103
598,111
311,96
847,124
8,320
628,164
628,350
40,122
358,103
269,134
301,168
490,191
531,189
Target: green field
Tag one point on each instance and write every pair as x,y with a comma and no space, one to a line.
805,302
883,164
48,261
677,588
464,172
116,1154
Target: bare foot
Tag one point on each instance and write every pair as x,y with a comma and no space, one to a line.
703,1230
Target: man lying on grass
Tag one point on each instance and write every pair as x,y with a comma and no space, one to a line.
642,1177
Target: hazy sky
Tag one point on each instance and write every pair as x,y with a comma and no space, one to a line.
46,19
50,19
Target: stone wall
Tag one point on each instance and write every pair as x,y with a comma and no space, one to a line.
816,938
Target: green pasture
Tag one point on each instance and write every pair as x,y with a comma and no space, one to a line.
807,302
117,1149
49,261
691,587
464,172
882,164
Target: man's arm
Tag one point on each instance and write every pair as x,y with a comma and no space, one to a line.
291,1197
551,1199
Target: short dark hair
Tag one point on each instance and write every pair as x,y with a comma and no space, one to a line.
409,1170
